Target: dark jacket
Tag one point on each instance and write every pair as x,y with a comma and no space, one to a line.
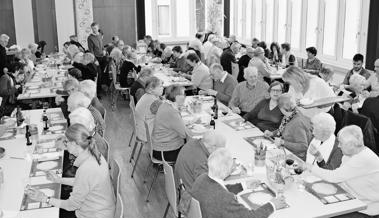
217,202
226,60
3,59
242,64
181,65
125,69
136,89
334,160
7,91
89,71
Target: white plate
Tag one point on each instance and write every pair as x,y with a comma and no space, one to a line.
33,91
197,128
6,135
259,198
324,188
48,192
56,128
265,142
48,165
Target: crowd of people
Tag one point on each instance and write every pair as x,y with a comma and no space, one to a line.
329,140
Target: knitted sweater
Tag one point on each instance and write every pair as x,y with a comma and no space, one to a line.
225,89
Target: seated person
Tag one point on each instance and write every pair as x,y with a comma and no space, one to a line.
200,76
74,41
223,84
357,69
83,116
243,62
180,63
169,130
288,59
216,201
87,66
323,148
358,173
275,54
192,158
138,87
266,114
88,88
370,109
128,68
326,74
260,62
92,194
313,65
70,86
75,73
10,87
228,57
249,93
294,130
78,99
356,92
373,81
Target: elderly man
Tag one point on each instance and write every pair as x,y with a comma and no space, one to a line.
200,74
87,66
323,148
216,201
260,62
223,84
3,53
88,87
228,57
78,99
83,116
138,87
192,158
243,62
214,52
359,170
249,93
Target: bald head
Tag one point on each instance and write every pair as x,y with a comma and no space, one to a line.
212,141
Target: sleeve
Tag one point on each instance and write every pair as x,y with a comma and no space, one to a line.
81,189
298,140
225,97
196,78
200,169
253,114
234,209
90,45
334,160
346,79
235,101
177,123
139,93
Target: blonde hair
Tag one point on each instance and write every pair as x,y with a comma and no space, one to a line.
287,102
298,75
88,87
78,99
82,115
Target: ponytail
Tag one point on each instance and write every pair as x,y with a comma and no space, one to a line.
93,149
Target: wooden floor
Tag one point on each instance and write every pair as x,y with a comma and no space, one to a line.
134,191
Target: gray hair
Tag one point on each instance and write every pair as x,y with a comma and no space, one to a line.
325,121
356,80
353,134
89,57
33,47
77,99
220,164
152,83
250,70
213,141
116,53
88,87
287,102
82,115
4,37
72,50
216,66
71,82
146,72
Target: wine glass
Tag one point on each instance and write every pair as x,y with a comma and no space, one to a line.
300,183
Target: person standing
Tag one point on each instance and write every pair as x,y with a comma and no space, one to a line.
3,53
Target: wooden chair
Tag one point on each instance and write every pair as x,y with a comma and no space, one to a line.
116,178
153,161
120,90
194,209
134,138
170,189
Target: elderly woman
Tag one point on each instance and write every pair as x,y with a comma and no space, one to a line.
138,87
70,86
114,71
128,68
25,58
356,92
210,186
313,65
78,99
294,130
358,173
153,92
33,49
169,130
9,89
249,93
307,87
88,87
266,114
72,50
83,116
92,194
87,66
323,148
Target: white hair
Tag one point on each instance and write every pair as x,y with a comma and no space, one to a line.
116,53
212,140
4,37
82,116
88,87
250,70
356,80
33,46
77,99
72,50
352,134
324,121
287,102
220,164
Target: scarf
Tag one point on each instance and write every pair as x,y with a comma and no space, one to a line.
284,123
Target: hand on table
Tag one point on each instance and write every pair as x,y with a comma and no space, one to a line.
278,141
60,143
58,100
236,110
52,176
315,152
279,202
212,92
365,94
268,134
36,195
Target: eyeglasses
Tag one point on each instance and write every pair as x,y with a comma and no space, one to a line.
276,90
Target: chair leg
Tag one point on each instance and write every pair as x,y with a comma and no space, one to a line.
147,172
133,151
136,161
166,211
131,139
151,186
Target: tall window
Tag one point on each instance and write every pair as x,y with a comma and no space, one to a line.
241,19
312,22
170,20
249,23
296,24
233,4
282,21
269,20
258,19
330,27
352,33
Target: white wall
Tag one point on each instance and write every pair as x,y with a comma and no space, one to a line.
64,12
23,19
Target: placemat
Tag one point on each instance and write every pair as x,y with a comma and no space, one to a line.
52,189
327,193
239,124
255,141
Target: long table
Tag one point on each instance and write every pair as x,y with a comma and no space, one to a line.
168,76
302,203
17,168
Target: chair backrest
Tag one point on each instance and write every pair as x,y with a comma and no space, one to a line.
148,139
116,178
194,210
133,115
170,187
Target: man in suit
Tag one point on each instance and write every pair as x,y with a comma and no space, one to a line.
216,201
